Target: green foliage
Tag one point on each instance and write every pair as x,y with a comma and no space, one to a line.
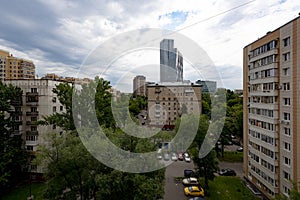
229,188
22,192
12,156
137,104
232,156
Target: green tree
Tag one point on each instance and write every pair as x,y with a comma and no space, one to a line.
12,156
208,164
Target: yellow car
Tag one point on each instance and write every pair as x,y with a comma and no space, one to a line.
194,191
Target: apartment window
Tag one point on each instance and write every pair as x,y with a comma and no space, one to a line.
286,41
33,119
61,108
29,148
287,101
286,56
286,86
287,116
54,109
286,175
54,99
287,146
287,131
54,126
33,128
286,71
286,190
33,90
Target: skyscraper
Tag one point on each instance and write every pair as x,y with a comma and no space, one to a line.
139,86
272,110
171,62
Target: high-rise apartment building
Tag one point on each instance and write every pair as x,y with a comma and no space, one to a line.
139,86
168,101
38,100
171,62
15,68
272,110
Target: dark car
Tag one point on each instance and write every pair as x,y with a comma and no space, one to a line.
189,173
180,156
227,172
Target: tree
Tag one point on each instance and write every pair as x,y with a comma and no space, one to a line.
12,156
208,164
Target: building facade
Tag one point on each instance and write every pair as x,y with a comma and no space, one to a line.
168,101
139,86
38,100
272,110
208,86
15,68
171,62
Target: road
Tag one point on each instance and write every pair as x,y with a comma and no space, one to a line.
174,191
237,167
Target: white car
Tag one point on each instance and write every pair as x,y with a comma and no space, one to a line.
187,158
174,157
159,156
190,181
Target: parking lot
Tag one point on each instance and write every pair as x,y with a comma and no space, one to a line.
173,190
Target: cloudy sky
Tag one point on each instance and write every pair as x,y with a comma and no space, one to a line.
60,36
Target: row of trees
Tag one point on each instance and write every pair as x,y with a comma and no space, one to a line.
74,173
12,157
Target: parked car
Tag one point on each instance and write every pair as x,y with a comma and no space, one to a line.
190,181
240,149
174,157
166,156
187,157
193,191
227,172
189,173
159,156
180,156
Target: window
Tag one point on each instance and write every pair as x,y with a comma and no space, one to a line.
287,101
286,56
54,99
286,175
287,116
286,71
29,148
286,41
286,86
287,146
287,131
33,90
54,109
61,108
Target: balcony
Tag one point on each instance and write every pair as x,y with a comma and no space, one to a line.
32,132
32,94
31,122
16,102
34,113
32,103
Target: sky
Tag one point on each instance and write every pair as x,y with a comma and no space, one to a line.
60,36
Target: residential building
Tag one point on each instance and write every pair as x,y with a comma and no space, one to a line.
139,86
15,68
272,110
38,100
171,62
169,100
208,86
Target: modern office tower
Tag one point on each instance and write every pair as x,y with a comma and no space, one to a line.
38,100
272,110
208,86
171,62
15,68
169,100
139,86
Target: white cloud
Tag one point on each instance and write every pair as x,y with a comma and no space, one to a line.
68,31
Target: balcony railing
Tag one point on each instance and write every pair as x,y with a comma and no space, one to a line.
32,103
32,93
34,113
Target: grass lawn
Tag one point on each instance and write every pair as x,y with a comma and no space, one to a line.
22,192
232,156
228,188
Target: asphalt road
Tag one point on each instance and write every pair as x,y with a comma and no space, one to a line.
173,190
237,167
